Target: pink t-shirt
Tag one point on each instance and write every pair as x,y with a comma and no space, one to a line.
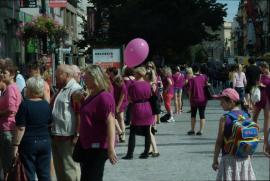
239,80
94,114
167,86
197,90
141,111
117,93
179,80
11,100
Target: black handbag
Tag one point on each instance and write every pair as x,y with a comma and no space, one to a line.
79,152
209,91
155,104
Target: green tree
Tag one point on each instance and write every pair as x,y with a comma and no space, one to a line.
168,26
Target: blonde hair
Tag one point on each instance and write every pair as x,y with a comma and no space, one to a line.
35,86
101,80
118,80
141,71
189,71
167,71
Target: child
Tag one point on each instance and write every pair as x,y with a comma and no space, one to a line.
230,167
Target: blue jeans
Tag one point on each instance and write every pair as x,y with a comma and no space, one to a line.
35,154
241,92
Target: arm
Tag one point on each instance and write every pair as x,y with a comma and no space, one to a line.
245,79
6,113
76,108
170,83
19,132
121,99
234,80
266,144
219,142
47,94
111,138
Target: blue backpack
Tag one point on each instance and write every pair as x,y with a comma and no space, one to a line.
245,135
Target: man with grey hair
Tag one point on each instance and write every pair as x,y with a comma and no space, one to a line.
66,122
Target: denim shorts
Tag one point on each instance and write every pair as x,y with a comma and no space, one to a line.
178,90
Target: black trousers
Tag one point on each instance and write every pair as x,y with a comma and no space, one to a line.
140,130
93,167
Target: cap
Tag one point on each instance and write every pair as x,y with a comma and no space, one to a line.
230,93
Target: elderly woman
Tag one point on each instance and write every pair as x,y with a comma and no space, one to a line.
141,113
32,131
97,130
9,104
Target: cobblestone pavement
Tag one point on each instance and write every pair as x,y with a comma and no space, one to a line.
182,157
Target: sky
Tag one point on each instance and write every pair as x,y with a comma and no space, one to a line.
232,6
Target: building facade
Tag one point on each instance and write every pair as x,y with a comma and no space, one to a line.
9,20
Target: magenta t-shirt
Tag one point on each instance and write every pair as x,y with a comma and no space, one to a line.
178,80
264,79
117,93
167,86
11,100
197,90
94,114
141,112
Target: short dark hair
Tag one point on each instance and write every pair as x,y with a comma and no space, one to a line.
251,60
264,64
195,68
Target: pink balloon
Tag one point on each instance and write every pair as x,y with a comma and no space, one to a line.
136,52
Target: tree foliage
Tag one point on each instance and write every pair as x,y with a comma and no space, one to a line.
167,25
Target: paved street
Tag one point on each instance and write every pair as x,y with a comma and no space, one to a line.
182,157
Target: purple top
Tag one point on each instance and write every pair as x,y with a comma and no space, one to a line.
128,82
117,93
264,79
11,100
141,112
197,93
179,80
166,85
94,115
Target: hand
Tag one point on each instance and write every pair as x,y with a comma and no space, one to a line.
75,139
15,151
215,165
117,110
266,149
112,156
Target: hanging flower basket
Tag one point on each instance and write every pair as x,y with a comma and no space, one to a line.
42,26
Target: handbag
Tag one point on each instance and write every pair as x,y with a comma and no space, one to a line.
79,152
209,91
255,94
17,171
155,105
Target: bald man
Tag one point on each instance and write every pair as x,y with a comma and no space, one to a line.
65,125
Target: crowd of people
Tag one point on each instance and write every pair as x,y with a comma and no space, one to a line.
73,130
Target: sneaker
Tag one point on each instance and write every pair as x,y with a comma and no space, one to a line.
171,120
199,133
191,132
